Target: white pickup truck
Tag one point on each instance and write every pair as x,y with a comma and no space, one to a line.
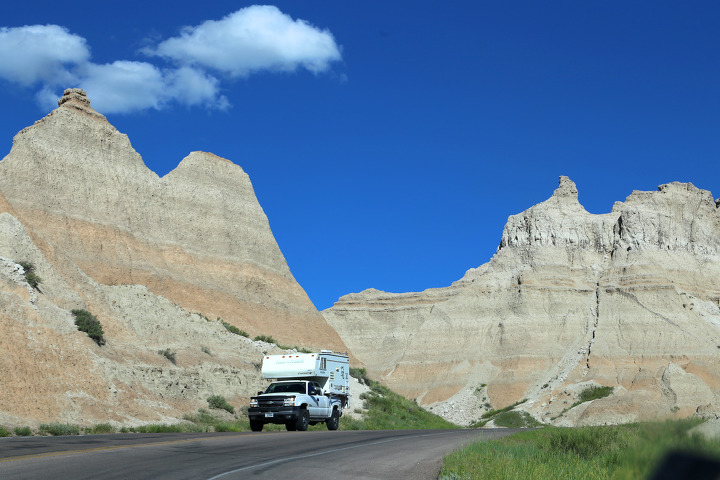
311,388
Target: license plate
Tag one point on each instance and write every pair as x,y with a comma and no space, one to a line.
269,414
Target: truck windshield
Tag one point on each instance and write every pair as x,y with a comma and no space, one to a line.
286,388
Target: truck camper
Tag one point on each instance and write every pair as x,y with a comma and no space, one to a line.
308,388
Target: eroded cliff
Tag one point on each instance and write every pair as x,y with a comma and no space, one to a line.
627,299
146,255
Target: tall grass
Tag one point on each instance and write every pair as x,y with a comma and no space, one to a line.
386,410
58,429
615,452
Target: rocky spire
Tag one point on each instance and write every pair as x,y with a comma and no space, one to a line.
566,188
74,94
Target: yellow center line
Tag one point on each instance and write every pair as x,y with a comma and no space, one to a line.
102,449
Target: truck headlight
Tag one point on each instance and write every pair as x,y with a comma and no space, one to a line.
289,402
253,402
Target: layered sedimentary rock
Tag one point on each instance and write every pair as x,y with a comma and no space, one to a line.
627,299
196,236
143,254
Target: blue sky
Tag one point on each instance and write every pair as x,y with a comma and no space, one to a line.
388,142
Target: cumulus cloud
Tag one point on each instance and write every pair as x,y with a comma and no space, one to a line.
40,53
251,39
254,38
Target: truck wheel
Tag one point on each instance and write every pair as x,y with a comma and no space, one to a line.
256,426
333,422
302,421
290,426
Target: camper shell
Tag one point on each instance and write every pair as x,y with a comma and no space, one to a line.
309,388
329,369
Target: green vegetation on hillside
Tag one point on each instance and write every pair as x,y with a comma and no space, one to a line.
233,329
169,354
58,429
504,417
219,402
88,323
386,410
593,392
618,452
382,408
30,276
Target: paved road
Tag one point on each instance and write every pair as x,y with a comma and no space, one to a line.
395,454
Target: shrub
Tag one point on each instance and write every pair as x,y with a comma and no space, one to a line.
265,338
169,354
492,413
294,347
595,392
88,323
30,275
515,419
22,431
234,329
57,429
360,374
219,402
4,432
386,410
102,428
159,428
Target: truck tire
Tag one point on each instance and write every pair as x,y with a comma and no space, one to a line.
334,421
256,426
303,420
290,426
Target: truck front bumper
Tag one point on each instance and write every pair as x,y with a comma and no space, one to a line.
274,415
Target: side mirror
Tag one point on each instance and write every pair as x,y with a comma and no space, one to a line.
260,392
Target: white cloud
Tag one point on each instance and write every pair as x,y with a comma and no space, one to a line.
195,88
123,86
255,38
252,39
40,53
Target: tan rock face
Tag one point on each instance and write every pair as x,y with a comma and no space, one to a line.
141,253
627,299
197,236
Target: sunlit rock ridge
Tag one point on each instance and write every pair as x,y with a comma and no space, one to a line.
144,254
627,299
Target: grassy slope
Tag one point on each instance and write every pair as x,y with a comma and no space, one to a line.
615,452
384,410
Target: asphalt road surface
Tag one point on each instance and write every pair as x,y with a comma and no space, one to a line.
389,454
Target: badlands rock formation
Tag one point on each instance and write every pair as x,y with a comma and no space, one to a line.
627,299
145,255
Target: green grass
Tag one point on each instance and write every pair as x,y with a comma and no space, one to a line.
615,452
360,374
22,431
386,410
57,429
101,428
233,329
492,413
595,392
515,419
219,402
4,432
589,394
265,338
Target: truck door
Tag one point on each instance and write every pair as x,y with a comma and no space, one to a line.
319,404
